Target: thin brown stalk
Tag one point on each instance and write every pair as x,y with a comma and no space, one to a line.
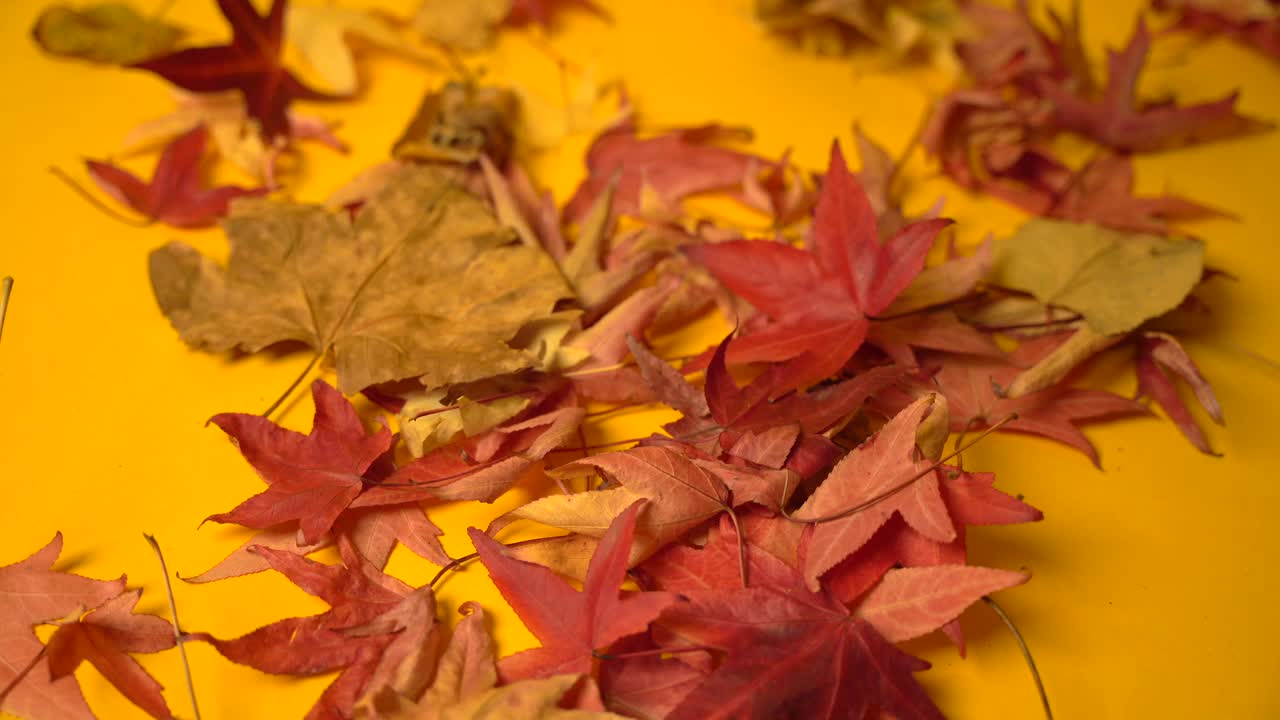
1030,326
6,289
1026,653
597,446
177,626
457,562
742,545
625,363
905,483
648,653
101,206
458,406
292,386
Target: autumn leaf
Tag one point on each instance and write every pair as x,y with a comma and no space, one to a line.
104,637
1102,192
670,166
481,468
1118,120
910,602
33,593
226,118
251,63
532,699
818,301
467,667
459,123
571,625
829,27
1115,280
1255,24
176,194
357,595
320,34
109,33
1159,356
310,479
467,27
423,283
1053,412
791,653
884,462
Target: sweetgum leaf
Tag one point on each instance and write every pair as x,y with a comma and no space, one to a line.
31,593
423,283
251,63
105,637
1115,280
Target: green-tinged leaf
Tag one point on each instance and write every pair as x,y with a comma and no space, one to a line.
112,33
1116,280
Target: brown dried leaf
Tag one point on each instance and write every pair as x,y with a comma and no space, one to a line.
423,283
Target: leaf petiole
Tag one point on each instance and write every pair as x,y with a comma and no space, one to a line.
178,635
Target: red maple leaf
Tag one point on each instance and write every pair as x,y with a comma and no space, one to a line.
105,636
571,625
859,495
817,302
1118,120
672,166
969,384
745,423
33,593
338,639
970,499
790,652
250,64
176,194
311,479
987,142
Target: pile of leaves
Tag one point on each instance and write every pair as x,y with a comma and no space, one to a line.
759,556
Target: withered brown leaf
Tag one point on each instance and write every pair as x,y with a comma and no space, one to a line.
424,283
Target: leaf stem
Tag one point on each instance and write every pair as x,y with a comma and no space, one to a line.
293,386
457,562
101,206
647,653
491,398
178,635
22,674
905,483
1026,653
6,289
623,364
598,446
742,545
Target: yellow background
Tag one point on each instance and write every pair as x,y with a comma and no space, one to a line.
1155,589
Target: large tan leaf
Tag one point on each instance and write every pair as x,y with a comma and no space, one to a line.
424,283
1116,280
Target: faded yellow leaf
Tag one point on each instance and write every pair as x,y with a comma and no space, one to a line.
423,283
321,33
466,26
1116,280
